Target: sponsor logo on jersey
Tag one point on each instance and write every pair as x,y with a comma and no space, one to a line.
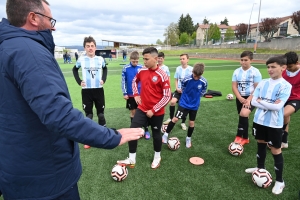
154,78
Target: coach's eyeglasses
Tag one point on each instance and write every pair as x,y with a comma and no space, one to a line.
52,21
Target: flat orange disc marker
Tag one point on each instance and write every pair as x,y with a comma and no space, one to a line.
196,160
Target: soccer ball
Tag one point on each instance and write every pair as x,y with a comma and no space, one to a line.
235,149
119,172
173,143
262,178
229,96
164,128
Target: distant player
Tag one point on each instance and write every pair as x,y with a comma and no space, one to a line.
291,75
154,96
160,62
94,73
269,98
244,81
193,88
181,72
128,73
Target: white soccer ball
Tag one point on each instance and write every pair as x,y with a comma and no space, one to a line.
119,172
164,128
173,143
262,178
229,97
235,149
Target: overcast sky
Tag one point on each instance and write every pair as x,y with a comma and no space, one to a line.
143,22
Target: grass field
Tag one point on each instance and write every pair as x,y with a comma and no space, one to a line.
221,177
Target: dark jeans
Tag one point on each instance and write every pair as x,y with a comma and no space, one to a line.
71,194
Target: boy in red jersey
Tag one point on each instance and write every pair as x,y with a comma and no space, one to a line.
291,75
154,96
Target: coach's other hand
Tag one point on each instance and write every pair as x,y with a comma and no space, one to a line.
129,134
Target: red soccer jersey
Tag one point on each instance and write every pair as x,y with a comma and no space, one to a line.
295,82
155,90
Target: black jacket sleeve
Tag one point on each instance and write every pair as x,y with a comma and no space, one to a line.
104,75
76,75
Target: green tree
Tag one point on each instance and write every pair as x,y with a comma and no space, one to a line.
184,38
171,34
194,35
229,35
158,41
225,21
196,27
214,32
189,25
182,24
205,21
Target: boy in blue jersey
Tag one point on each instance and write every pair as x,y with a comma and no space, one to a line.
244,81
193,88
160,62
181,72
94,73
128,73
269,98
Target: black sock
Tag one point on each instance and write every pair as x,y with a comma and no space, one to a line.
183,120
190,131
243,127
278,165
284,126
146,128
170,127
284,137
172,111
261,155
131,118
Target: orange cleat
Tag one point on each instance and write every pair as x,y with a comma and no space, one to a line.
86,146
245,141
238,139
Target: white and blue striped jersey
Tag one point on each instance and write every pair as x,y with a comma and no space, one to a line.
245,79
192,91
269,90
91,69
181,73
166,69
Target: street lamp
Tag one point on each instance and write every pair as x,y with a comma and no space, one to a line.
249,23
255,44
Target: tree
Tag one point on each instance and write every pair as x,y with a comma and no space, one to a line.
158,41
171,34
213,32
184,38
229,35
268,27
241,31
205,21
196,27
185,25
296,20
181,24
225,22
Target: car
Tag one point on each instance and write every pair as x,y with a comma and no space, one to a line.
217,43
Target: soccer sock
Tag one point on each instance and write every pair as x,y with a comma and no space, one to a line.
146,128
156,154
132,156
261,155
284,126
170,127
183,120
278,166
172,111
241,126
190,131
284,137
131,118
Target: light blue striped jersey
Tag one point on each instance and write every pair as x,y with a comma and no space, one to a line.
166,69
181,73
91,70
246,79
270,90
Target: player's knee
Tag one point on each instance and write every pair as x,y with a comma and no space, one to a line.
89,116
175,120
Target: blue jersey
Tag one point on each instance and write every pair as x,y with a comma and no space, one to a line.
192,91
270,90
128,73
91,70
166,69
245,79
181,73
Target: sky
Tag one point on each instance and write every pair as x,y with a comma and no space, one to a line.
144,22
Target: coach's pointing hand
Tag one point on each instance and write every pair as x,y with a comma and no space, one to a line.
129,134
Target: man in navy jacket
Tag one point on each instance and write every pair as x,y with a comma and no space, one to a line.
39,154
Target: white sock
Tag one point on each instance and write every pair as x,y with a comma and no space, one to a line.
188,138
132,156
156,154
166,134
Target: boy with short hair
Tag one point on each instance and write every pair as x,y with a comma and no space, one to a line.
160,62
181,72
154,96
128,73
291,75
244,81
269,98
193,88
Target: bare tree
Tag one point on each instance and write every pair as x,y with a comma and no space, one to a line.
171,34
296,20
241,31
268,27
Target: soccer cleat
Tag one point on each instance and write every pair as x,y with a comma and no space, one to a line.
278,187
284,145
164,139
167,121
127,162
183,126
188,142
244,141
250,170
156,162
238,139
147,135
86,146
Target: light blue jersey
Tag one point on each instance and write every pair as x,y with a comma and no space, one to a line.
246,79
166,69
181,73
269,90
91,70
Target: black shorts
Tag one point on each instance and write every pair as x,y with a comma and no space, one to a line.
294,103
91,97
273,136
140,120
176,95
131,103
239,105
182,113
